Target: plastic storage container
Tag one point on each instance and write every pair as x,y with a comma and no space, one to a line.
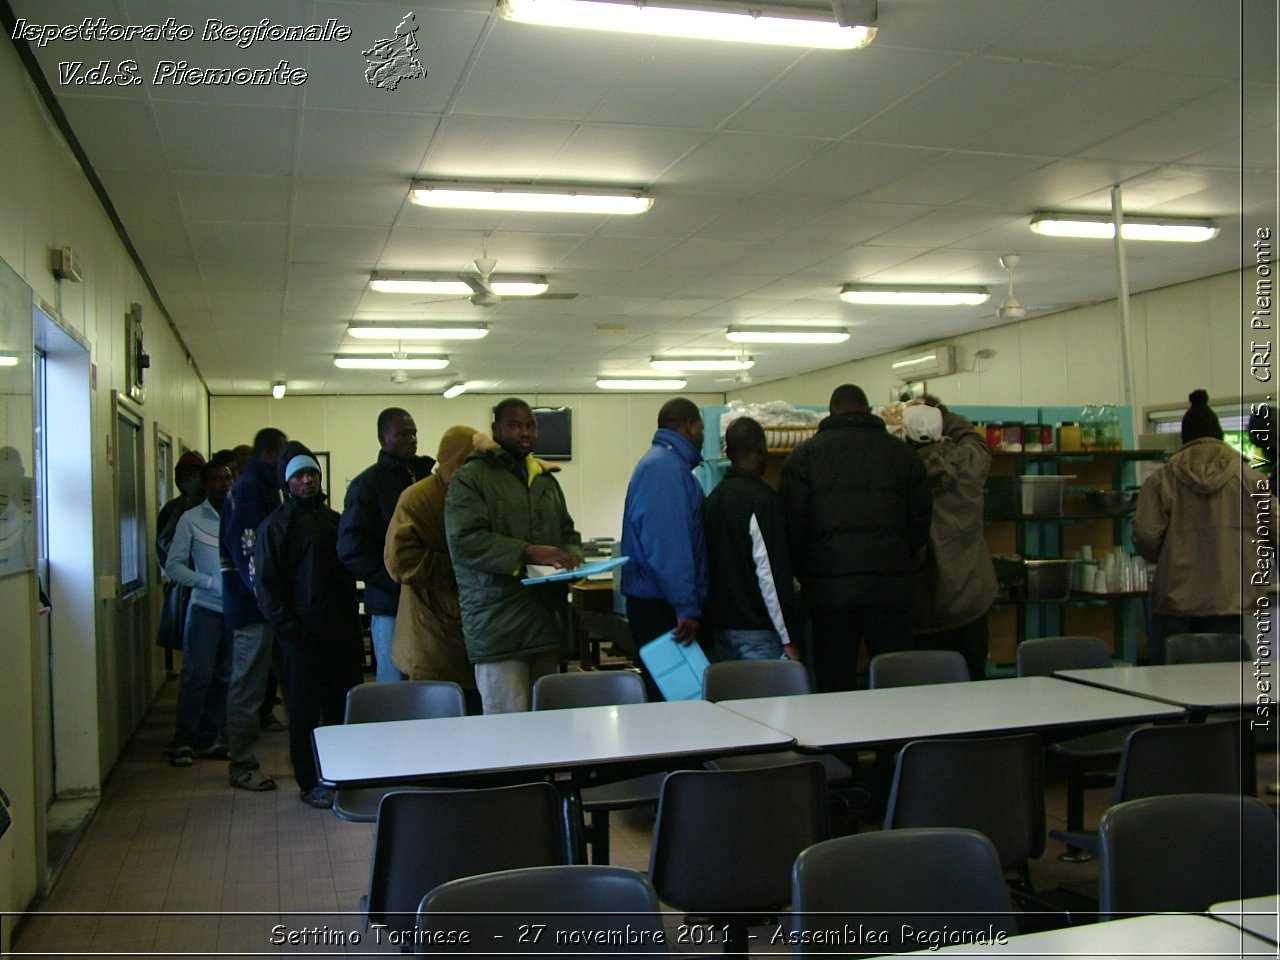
1026,497
1035,580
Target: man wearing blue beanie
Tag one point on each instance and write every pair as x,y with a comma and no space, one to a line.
309,598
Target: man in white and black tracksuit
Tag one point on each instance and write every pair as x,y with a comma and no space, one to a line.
751,609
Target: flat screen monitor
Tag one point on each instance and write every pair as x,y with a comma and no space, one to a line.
555,433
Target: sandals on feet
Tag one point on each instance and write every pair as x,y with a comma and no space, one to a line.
254,780
319,797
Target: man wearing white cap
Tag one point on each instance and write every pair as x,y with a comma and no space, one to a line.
957,584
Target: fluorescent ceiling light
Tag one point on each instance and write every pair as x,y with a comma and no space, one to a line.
417,281
1101,227
277,390
391,363
702,363
639,383
455,389
787,334
8,360
528,198
379,331
738,22
913,295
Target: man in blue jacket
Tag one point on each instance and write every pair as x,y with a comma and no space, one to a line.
252,499
665,582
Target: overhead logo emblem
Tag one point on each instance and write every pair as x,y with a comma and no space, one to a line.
394,59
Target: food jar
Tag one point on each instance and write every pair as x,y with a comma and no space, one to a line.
1012,438
995,435
1046,438
1068,436
1031,438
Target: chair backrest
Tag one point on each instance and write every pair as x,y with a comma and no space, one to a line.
405,700
594,688
1206,648
425,839
1179,758
569,909
748,679
1042,656
910,668
929,881
1185,853
725,840
994,785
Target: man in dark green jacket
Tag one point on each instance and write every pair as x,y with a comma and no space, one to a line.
504,511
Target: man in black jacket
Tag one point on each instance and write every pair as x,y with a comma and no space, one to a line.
751,609
366,514
858,509
309,598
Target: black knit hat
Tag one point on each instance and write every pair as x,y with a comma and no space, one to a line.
1200,420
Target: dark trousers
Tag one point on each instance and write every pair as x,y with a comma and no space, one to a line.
1165,625
648,618
970,641
317,673
838,633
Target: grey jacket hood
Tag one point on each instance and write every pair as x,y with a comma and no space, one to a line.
1205,466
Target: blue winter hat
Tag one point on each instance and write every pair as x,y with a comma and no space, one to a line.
301,462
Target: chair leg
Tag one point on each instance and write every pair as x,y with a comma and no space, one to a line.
599,836
1075,812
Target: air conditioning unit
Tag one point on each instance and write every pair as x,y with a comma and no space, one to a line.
925,363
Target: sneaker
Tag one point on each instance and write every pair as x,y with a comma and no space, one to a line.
217,751
319,797
273,724
182,757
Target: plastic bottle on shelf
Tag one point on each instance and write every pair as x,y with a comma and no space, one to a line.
1088,427
1113,427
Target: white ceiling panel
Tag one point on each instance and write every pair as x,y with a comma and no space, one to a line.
481,148
389,144
222,196
342,200
232,138
778,174
826,95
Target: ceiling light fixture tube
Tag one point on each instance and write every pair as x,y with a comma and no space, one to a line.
418,281
913,295
775,24
702,363
1101,227
8,360
455,389
386,331
278,389
528,198
817,335
391,363
640,383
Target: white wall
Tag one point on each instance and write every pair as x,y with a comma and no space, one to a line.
610,432
1185,336
45,203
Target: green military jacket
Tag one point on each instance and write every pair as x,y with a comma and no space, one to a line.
491,514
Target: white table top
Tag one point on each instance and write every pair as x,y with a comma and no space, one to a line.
864,717
1167,936
1197,686
1258,915
551,742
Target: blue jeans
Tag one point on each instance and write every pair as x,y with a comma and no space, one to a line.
746,644
382,628
206,674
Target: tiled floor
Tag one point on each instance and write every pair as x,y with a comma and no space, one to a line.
176,862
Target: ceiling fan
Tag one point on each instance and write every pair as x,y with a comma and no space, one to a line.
482,290
1011,308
